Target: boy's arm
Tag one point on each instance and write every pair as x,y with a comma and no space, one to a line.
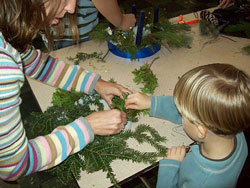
169,167
51,71
168,173
163,107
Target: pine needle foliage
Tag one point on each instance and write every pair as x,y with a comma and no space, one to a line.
82,56
240,29
99,154
163,33
207,28
132,114
145,76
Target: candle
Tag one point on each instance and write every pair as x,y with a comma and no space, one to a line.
156,14
140,28
134,9
111,26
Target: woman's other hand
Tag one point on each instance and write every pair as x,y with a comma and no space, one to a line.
107,122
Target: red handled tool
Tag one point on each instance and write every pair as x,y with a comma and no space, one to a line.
180,20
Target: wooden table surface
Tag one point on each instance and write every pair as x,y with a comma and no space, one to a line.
167,68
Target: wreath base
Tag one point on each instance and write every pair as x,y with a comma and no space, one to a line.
142,53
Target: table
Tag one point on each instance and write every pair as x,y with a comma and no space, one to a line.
167,68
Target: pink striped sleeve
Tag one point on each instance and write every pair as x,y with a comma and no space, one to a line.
91,78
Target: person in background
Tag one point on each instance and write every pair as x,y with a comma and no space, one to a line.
212,102
86,18
225,3
20,22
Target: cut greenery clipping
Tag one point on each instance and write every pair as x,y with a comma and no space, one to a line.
144,75
162,33
98,155
82,56
132,114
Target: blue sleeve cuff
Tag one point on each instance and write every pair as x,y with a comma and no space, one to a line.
163,107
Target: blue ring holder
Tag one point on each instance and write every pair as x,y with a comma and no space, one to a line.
142,53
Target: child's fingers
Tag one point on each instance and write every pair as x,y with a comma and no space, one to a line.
132,106
172,151
183,151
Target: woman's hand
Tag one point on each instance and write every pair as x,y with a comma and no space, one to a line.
127,22
108,90
138,101
176,153
107,122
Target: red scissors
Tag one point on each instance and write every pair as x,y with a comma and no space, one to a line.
180,20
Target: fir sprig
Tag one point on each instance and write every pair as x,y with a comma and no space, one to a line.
82,56
132,114
99,154
144,75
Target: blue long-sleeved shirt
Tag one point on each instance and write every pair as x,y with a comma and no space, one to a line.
196,171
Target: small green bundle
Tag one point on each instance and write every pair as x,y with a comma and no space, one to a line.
132,114
82,56
145,76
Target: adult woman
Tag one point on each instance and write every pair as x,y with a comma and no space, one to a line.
20,21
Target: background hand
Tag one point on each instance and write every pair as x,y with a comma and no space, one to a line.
108,90
225,3
107,122
128,22
176,153
138,101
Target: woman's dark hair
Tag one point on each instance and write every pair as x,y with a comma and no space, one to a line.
21,20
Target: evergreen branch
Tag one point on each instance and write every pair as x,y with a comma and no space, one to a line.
82,56
145,76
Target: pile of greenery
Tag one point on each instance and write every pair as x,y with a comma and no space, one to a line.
240,29
98,155
162,33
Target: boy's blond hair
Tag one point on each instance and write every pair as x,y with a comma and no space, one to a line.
216,96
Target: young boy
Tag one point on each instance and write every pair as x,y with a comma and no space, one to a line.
213,104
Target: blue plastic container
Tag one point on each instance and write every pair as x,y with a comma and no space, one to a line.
142,53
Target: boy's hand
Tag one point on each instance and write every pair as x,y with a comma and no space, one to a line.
108,90
138,101
176,153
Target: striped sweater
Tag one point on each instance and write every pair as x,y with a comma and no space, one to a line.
18,155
